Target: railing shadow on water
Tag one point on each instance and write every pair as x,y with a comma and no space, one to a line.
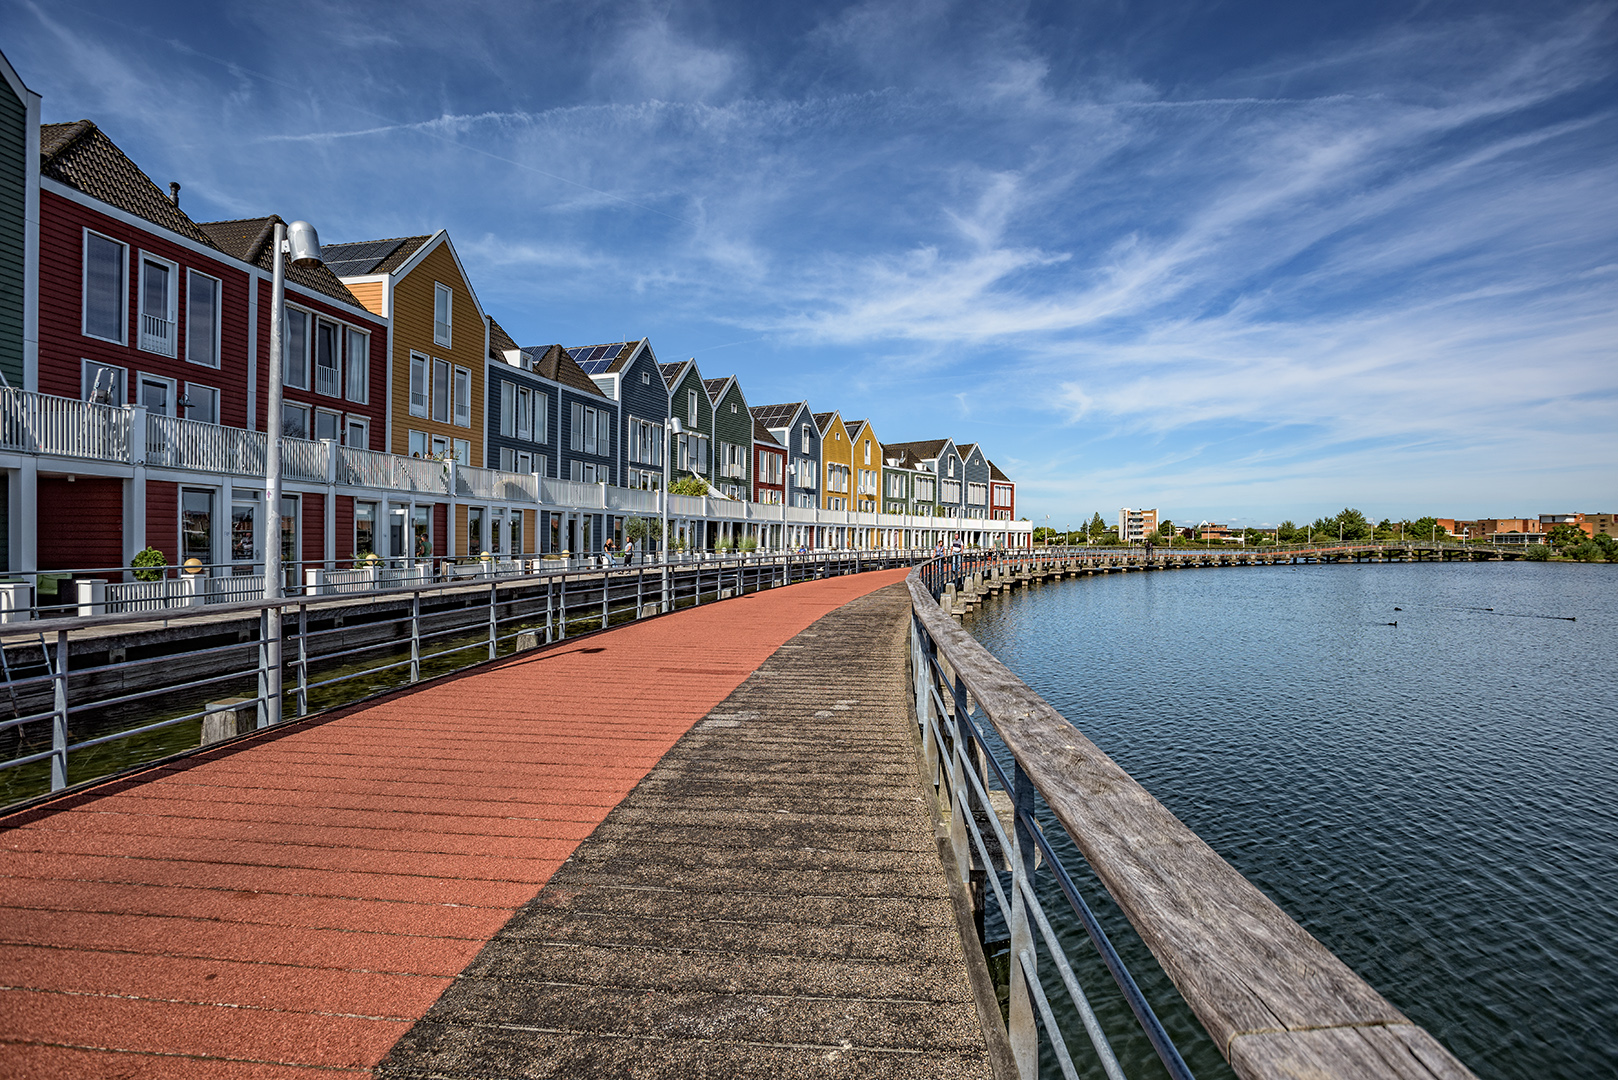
65,723
1177,952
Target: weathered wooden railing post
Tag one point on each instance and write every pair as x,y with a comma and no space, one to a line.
1020,1027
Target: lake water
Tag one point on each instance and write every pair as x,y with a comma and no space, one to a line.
1436,801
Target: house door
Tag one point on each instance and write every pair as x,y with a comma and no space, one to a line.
246,545
196,526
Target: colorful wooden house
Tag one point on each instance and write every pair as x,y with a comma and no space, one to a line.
440,342
19,287
692,451
837,462
629,374
866,454
1002,495
733,437
769,466
940,459
975,473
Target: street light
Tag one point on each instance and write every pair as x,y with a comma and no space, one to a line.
301,246
671,428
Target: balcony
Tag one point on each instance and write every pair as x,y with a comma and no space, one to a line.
733,471
158,335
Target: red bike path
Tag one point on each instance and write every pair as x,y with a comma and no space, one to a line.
290,904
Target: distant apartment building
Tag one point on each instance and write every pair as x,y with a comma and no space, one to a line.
1589,524
1211,530
1134,526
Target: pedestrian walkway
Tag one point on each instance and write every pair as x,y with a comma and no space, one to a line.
302,899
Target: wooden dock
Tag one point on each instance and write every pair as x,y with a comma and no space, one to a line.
693,845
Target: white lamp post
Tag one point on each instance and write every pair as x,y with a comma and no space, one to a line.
301,246
671,428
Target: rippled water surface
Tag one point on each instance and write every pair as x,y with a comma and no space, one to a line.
1436,801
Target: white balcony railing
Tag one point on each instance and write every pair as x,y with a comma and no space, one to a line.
157,334
475,483
62,427
734,470
574,493
191,444
302,459
375,469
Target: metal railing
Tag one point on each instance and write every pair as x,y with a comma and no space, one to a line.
73,721
1275,1001
62,427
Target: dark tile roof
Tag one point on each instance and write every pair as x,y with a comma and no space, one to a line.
823,420
500,342
80,155
553,362
777,415
716,387
996,474
250,240
628,354
965,449
762,434
365,257
897,457
671,372
854,428
925,450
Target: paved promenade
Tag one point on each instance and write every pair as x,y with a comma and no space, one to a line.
406,881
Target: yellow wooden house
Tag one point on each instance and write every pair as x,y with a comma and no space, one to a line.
440,341
836,462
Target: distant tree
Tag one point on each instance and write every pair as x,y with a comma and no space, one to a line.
1165,528
1537,552
1425,528
1566,539
1353,524
1287,533
1097,527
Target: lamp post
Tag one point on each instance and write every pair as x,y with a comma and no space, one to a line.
301,246
671,428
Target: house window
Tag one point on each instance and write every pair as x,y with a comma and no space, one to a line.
806,438
103,384
364,528
977,494
867,451
294,421
441,373
525,415
443,308
951,465
295,369
418,444
508,459
418,385
328,370
542,412
359,366
646,378
159,326
327,424
525,462
603,432
106,297
439,445
474,530
202,403
508,409
463,397
358,433
156,393
463,451
201,319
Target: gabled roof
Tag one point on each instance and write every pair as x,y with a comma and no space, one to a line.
778,416
897,457
965,449
250,240
500,342
925,450
823,420
716,387
80,155
996,474
673,373
762,434
607,358
854,427
553,362
365,257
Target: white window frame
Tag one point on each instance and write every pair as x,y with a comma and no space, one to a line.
525,415
190,319
336,377
120,392
508,459
416,444
441,369
421,387
508,409
171,313
542,415
691,406
123,289
364,424
297,406
336,424
357,376
806,446
192,390
143,377
443,330
525,461
460,389
463,450
300,368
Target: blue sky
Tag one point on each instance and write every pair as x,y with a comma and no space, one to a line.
1237,261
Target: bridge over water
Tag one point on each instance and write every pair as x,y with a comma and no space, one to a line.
744,838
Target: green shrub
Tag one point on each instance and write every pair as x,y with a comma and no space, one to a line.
148,564
689,485
749,544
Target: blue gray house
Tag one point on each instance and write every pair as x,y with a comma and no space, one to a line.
627,372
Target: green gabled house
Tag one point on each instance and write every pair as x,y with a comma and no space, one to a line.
19,283
691,451
732,436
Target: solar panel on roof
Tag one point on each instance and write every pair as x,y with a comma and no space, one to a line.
595,367
360,258
616,349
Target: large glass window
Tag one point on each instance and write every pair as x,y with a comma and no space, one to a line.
196,525
157,394
201,319
474,530
158,330
542,412
328,359
525,414
418,385
441,391
358,433
443,310
359,366
105,294
244,503
102,383
201,403
294,421
508,409
327,424
289,537
421,530
463,397
295,372
364,528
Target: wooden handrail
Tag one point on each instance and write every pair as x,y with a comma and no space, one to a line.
1278,1003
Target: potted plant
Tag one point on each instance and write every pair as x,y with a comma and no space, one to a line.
148,564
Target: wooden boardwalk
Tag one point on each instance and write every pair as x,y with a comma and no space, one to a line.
761,896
